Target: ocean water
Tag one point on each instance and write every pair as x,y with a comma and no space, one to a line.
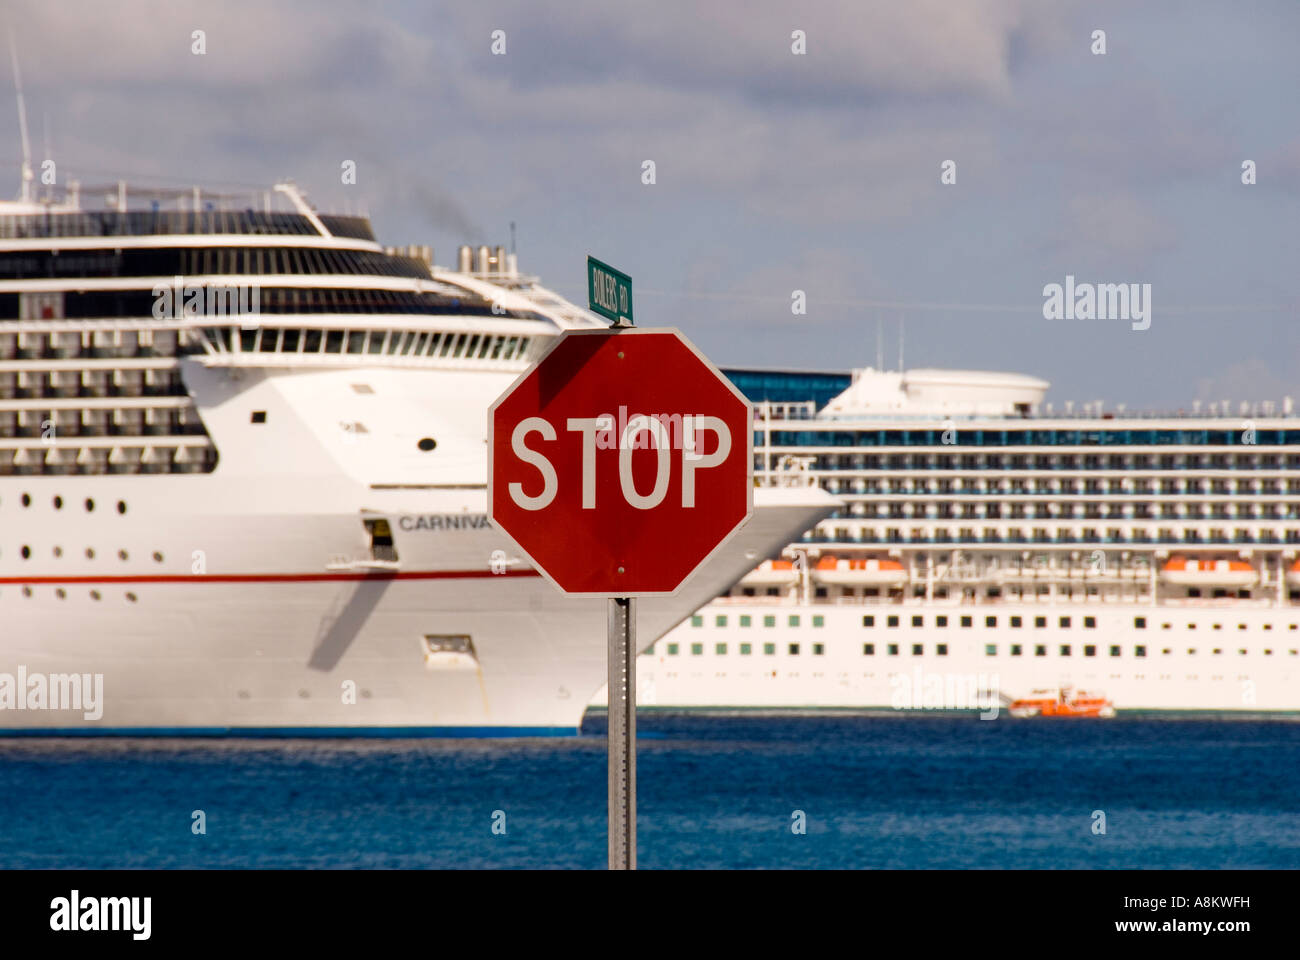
875,791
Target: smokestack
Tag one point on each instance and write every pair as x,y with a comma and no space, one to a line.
465,259
499,265
483,257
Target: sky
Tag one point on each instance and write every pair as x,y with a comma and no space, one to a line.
774,171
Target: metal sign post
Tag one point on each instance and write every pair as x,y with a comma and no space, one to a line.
573,503
622,733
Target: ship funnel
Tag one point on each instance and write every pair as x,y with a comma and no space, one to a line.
481,261
465,259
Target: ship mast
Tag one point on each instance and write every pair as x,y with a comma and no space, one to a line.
27,174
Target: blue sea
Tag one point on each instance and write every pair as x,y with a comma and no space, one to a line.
722,791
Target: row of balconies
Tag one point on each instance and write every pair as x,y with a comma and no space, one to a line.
1061,538
90,382
1004,487
66,345
98,461
101,422
1050,463
1128,511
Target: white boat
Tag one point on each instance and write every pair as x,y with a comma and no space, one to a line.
1150,556
242,478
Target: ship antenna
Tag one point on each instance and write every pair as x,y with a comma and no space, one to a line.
512,236
27,175
900,343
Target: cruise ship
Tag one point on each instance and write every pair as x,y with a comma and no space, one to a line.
991,549
242,478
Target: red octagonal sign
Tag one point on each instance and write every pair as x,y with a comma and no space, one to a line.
620,462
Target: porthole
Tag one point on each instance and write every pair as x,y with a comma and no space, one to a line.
90,553
58,503
157,556
90,505
27,591
94,595
121,506
27,499
427,444
61,593
26,552
131,597
122,554
58,551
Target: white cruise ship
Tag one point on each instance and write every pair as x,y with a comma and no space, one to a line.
242,479
988,544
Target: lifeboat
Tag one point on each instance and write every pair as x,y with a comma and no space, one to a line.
1293,575
1208,572
771,573
869,571
1062,703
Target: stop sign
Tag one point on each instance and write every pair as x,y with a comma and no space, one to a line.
620,462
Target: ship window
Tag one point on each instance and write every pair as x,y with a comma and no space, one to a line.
917,650
697,649
1089,650
356,341
769,649
720,620
941,649
746,649
697,621
746,620
794,620
269,337
121,506
720,649
990,649
377,338
672,649
291,338
966,621
892,649
381,539
918,621
1114,651
794,649
1015,622
26,552
1140,623
819,649
1241,626
58,503
1141,651
1040,622
334,341
426,444
258,416
1065,649
868,649
941,621
769,621
1065,623
1089,623
819,621
1016,649
868,621
1040,650
990,621
892,621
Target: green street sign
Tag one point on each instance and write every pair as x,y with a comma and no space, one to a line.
609,291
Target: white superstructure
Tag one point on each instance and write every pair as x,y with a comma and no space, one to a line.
242,477
987,541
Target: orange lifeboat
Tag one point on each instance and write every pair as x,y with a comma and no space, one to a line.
868,571
771,573
1062,703
1293,575
1183,572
